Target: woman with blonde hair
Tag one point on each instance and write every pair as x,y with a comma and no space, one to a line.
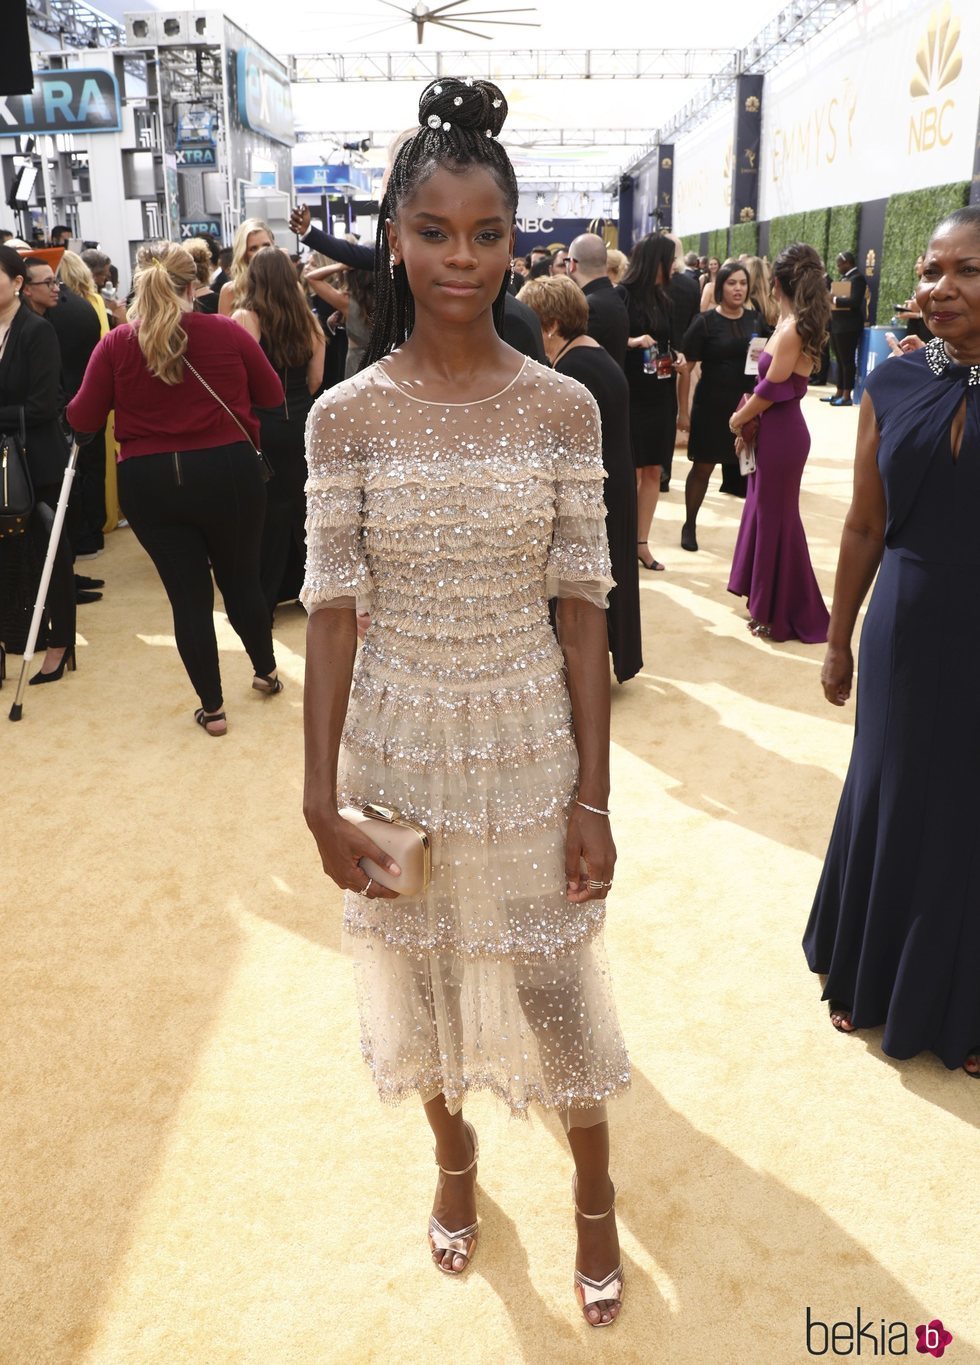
760,290
75,275
275,313
617,263
253,235
183,385
205,299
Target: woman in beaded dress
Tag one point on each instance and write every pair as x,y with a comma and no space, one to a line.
455,487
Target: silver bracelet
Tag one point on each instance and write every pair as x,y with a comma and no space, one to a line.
594,809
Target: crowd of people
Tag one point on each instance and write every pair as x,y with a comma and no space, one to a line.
471,490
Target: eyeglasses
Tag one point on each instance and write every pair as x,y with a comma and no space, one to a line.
52,282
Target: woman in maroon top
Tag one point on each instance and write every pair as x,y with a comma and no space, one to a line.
190,484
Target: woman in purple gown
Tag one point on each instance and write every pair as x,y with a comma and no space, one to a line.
772,565
895,925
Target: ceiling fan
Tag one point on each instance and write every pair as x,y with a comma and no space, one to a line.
442,15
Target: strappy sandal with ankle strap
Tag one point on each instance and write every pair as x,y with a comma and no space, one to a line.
268,684
208,718
463,1242
602,1294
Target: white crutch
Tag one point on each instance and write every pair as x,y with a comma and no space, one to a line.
17,710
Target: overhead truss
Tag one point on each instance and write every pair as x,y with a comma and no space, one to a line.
512,137
562,64
75,24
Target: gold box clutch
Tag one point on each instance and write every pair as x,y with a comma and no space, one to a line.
402,840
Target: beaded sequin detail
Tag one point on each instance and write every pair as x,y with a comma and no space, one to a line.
939,362
454,524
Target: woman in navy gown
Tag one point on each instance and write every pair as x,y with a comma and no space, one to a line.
896,921
771,565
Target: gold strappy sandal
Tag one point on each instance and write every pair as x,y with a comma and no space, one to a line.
463,1242
598,1293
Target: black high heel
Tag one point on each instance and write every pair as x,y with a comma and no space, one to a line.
67,660
3,665
655,566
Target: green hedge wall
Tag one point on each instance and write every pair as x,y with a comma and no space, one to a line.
845,227
745,239
811,227
782,231
909,219
816,225
718,243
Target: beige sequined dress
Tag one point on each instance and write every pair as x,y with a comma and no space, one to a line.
453,524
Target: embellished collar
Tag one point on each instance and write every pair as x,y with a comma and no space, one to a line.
939,362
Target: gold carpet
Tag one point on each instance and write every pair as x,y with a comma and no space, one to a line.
194,1165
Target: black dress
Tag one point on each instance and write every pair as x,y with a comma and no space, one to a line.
653,401
721,345
595,368
896,920
283,435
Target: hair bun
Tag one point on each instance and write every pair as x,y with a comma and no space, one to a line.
469,104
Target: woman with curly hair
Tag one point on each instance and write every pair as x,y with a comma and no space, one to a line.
771,566
275,313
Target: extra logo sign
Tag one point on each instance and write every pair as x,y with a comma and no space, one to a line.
190,227
195,157
63,102
265,101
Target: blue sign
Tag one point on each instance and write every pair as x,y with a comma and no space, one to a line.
63,102
329,177
265,100
195,157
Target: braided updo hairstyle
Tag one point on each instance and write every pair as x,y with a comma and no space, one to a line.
803,279
460,122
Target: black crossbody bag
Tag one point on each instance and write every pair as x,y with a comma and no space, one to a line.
16,489
264,466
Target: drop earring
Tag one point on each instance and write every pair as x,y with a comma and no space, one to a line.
391,266
510,282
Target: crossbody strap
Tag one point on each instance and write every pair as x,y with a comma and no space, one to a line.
218,399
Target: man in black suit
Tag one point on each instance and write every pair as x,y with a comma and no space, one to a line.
847,327
692,267
608,319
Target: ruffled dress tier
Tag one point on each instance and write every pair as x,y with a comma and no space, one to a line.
771,565
454,524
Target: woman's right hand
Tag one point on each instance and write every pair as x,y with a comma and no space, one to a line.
342,846
644,342
837,675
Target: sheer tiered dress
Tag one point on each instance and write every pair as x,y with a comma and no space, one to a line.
454,524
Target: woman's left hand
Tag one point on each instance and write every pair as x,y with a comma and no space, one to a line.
589,839
735,423
683,422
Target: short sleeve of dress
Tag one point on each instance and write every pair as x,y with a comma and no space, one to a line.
578,559
692,345
337,573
